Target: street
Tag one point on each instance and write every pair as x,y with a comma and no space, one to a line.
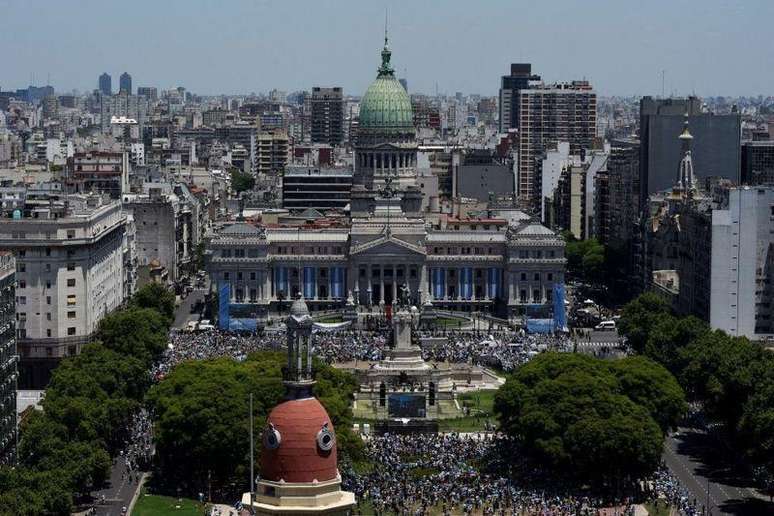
119,492
183,311
694,458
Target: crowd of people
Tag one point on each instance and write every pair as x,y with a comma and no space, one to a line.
138,449
666,487
449,474
504,350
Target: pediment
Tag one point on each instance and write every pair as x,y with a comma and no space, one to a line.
387,246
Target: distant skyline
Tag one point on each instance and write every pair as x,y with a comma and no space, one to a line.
712,47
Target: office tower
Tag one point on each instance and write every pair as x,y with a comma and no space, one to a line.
563,112
70,273
8,359
129,106
519,79
105,84
327,115
125,83
742,291
50,106
757,162
149,92
716,148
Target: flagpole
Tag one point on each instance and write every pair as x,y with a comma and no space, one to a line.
252,460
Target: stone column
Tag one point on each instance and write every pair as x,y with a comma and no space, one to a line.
486,291
445,283
381,285
394,283
369,273
459,283
423,286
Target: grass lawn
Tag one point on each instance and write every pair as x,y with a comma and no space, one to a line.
450,323
658,509
332,319
156,505
481,400
463,424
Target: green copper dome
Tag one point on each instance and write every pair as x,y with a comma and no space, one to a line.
386,105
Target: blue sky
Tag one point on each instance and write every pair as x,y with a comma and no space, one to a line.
712,47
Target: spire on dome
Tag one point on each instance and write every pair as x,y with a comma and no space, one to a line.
386,69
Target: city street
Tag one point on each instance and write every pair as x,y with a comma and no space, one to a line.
183,312
119,492
693,458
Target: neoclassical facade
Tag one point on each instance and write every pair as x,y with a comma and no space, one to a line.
485,265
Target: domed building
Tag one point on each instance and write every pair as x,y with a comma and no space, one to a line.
299,468
386,141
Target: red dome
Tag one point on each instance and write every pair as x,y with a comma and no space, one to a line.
299,457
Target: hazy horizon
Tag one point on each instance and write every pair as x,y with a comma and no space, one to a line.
712,48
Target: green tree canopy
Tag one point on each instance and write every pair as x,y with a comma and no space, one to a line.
241,181
158,298
136,332
639,317
651,386
572,413
585,259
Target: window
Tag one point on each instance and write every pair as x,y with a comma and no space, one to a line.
71,330
550,276
48,267
70,266
48,251
22,284
537,276
225,276
71,282
21,316
536,295
70,300
239,276
21,333
22,300
252,276
70,233
48,283
21,267
523,276
48,300
48,316
71,314
48,332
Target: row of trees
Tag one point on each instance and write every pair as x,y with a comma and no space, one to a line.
65,449
589,420
202,419
732,377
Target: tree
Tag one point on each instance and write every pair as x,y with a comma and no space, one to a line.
668,336
571,413
639,317
723,372
585,259
241,181
651,386
158,298
137,332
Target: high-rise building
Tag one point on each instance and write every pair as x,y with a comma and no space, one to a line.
715,152
565,112
8,359
125,83
70,273
316,188
105,84
50,106
742,291
757,162
327,115
519,79
149,92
